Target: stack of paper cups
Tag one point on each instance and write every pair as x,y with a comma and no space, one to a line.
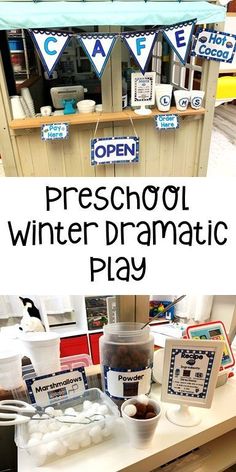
163,96
17,108
25,107
10,370
43,348
25,93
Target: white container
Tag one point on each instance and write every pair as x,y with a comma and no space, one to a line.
197,99
182,98
17,108
98,108
46,110
43,348
10,370
86,106
73,438
163,96
141,432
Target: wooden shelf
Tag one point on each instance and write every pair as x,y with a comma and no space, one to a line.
87,118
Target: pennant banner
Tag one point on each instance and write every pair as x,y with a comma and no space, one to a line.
179,38
50,46
98,48
140,45
208,44
214,45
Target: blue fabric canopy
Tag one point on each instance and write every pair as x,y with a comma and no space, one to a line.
25,15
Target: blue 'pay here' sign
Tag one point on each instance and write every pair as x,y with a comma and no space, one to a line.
54,131
167,121
113,150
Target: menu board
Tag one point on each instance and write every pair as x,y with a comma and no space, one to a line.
190,371
143,89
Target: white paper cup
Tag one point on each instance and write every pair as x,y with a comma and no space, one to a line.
182,98
46,110
17,108
10,370
43,349
197,99
140,432
163,96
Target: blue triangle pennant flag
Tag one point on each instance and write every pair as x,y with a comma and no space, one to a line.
50,46
140,45
179,38
98,48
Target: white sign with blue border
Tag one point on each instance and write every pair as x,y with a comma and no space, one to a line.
123,149
54,131
167,121
52,388
214,45
190,371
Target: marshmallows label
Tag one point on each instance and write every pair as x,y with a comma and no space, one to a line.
215,45
127,383
48,389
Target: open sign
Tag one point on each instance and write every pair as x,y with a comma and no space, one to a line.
114,150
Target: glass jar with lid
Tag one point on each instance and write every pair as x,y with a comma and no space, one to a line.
126,355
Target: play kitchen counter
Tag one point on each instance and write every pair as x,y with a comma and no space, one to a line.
173,152
217,429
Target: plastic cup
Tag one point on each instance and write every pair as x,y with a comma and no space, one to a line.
10,370
43,349
197,99
163,96
182,98
141,432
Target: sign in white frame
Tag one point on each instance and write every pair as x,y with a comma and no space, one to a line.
184,358
143,90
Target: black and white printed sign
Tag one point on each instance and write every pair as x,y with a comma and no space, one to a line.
114,150
190,371
52,388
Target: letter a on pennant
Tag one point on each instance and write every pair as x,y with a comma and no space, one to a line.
140,46
98,49
50,47
179,38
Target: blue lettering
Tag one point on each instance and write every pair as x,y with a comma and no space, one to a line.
140,46
98,49
110,149
130,150
100,151
180,40
51,39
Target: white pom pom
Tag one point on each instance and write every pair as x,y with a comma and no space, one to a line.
62,449
33,442
106,432
87,404
53,446
49,410
143,399
69,411
85,441
103,410
130,410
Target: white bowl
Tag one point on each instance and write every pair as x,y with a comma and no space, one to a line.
86,106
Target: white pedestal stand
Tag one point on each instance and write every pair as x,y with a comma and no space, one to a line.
143,111
183,416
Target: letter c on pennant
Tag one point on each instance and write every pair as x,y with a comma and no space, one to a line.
46,44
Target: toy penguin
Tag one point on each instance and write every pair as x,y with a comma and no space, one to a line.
31,320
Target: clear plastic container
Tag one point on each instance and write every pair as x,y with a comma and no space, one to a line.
126,355
48,440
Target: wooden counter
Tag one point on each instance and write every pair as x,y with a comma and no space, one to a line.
170,441
87,118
